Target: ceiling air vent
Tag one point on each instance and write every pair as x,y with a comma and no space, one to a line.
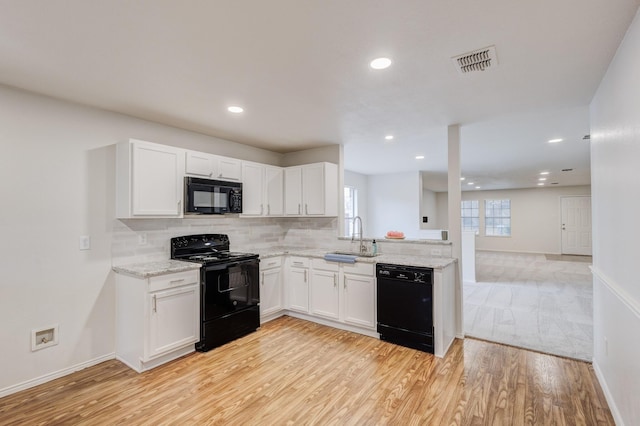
478,60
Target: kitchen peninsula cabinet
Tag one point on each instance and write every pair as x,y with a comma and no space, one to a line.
311,190
148,180
157,318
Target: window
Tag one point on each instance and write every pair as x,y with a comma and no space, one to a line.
350,209
470,215
497,218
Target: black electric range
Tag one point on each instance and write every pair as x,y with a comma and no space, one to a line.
229,287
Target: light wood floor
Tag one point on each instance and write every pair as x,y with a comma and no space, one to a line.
296,372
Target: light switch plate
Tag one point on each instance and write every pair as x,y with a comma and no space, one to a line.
84,242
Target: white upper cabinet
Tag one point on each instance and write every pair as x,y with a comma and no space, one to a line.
262,189
311,190
212,166
148,180
274,190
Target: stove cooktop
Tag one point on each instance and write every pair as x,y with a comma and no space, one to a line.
207,249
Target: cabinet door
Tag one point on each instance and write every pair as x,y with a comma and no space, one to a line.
252,189
293,191
271,291
200,164
325,294
313,190
359,300
174,317
274,191
229,168
157,180
298,289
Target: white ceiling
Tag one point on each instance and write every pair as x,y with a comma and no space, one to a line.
300,70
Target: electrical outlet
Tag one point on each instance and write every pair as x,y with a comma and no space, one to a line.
425,219
84,243
142,238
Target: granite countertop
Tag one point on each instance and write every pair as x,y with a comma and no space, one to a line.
152,269
396,259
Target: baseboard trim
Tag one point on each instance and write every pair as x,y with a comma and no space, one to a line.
607,394
55,375
617,290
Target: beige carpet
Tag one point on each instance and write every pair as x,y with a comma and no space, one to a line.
529,301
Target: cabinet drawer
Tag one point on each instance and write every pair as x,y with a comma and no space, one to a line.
299,262
359,268
325,266
163,282
271,262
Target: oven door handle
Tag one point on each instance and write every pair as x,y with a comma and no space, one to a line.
246,284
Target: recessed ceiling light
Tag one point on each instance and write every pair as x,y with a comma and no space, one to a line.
541,179
477,187
380,63
544,173
388,137
555,140
419,157
470,183
462,178
235,109
541,184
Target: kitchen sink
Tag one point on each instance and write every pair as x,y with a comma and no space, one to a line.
355,253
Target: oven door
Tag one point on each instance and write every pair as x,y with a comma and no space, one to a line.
229,288
206,197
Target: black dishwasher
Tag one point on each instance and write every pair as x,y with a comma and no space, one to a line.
405,305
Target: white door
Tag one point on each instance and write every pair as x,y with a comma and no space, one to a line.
252,189
274,177
313,189
174,319
360,300
293,191
271,291
157,180
298,289
325,294
576,225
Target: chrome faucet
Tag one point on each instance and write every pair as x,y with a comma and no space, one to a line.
362,248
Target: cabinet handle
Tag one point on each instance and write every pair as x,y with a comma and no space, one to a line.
344,281
305,275
179,206
335,280
263,278
210,174
268,209
155,304
299,209
172,282
297,263
306,209
261,209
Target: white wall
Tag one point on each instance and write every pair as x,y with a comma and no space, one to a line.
394,204
57,183
361,183
615,157
535,218
429,208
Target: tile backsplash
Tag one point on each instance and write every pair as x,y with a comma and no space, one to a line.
147,240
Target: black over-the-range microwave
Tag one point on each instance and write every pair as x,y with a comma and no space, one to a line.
208,196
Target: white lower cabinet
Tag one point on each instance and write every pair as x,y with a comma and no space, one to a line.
157,318
325,292
297,279
359,291
337,294
270,288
